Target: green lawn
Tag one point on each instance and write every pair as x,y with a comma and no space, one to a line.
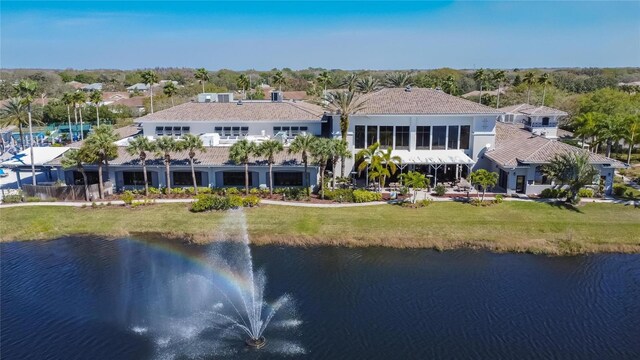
510,226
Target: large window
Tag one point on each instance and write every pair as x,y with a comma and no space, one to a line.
423,137
359,137
132,178
386,136
172,130
234,178
287,178
453,137
184,178
545,121
402,137
439,141
372,135
290,130
465,133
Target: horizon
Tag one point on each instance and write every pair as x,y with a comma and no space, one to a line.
378,36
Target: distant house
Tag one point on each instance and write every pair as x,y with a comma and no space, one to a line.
540,120
92,87
76,85
476,93
138,87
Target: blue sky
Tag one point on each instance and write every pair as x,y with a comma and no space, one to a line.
349,35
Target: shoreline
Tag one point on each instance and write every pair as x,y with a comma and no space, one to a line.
515,227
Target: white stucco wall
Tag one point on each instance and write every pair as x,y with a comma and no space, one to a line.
255,127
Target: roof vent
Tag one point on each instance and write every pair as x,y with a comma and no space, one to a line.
239,102
438,88
408,88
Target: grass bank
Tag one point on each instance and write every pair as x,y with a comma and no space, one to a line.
510,226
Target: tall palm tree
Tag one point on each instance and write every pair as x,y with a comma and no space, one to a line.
202,75
480,76
367,85
102,144
450,85
390,163
79,99
165,145
368,158
240,153
324,78
76,158
269,149
192,143
339,150
170,89
572,169
499,77
150,77
350,82
279,80
26,89
529,78
96,99
303,144
67,99
243,83
544,80
399,80
585,125
344,103
610,129
632,123
14,112
321,152
140,146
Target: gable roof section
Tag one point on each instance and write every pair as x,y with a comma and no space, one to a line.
232,111
420,101
516,146
528,109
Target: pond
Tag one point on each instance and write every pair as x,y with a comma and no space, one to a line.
92,298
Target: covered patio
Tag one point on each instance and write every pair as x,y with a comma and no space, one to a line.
448,164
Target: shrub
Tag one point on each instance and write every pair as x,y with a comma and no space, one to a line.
424,202
250,201
127,197
499,199
403,190
587,193
178,191
32,199
203,203
339,195
154,191
618,190
205,190
11,199
232,191
254,191
553,193
294,193
440,190
235,201
362,196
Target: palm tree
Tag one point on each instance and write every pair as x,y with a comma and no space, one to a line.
344,103
529,79
610,128
339,150
14,113
243,83
633,129
240,153
390,164
321,152
450,85
150,77
484,179
191,143
96,99
416,181
26,89
324,79
165,145
585,125
499,77
480,77
367,85
67,99
399,80
544,80
79,99
350,82
279,79
141,145
202,75
572,169
368,157
303,144
102,144
76,158
269,149
170,89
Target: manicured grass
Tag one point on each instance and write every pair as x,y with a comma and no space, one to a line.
510,226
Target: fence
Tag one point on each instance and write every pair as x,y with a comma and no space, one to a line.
65,192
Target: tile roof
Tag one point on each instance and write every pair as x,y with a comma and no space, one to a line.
121,133
232,111
517,146
212,156
528,109
420,101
